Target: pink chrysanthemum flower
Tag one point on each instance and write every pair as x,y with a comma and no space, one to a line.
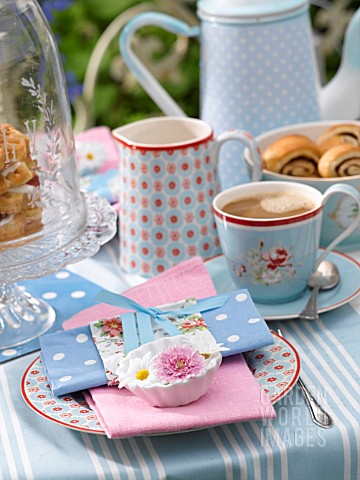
179,362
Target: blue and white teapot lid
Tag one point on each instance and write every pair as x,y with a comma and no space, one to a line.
235,10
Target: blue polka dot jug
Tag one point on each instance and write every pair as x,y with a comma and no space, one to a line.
258,70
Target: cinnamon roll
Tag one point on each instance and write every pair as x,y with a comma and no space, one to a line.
294,155
340,161
341,134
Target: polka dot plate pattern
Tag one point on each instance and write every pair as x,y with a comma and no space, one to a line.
275,367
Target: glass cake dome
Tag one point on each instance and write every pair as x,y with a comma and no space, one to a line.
40,200
46,223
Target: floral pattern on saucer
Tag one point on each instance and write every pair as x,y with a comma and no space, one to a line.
276,368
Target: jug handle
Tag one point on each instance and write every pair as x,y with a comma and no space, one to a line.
253,161
144,77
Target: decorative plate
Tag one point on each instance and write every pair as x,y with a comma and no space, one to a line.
343,293
275,367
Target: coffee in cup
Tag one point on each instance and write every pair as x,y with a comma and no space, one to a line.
266,205
270,232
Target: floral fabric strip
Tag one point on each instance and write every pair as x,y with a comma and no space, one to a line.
108,334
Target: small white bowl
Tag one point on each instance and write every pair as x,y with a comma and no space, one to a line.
181,392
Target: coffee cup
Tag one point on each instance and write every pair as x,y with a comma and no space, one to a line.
168,179
270,232
340,210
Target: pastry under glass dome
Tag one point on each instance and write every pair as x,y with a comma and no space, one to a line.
45,221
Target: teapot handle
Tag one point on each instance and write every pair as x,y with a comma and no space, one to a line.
145,78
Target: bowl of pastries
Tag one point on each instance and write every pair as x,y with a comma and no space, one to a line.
319,154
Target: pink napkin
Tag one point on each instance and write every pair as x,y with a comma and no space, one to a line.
187,279
101,136
233,396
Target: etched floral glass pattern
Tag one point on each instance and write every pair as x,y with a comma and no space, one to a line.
45,221
43,211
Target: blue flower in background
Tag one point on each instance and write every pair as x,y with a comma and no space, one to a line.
49,7
74,87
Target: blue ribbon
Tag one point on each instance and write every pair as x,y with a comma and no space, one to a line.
159,315
144,314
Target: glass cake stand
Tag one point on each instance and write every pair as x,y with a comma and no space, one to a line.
24,317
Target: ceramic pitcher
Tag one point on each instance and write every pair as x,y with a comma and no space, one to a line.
257,70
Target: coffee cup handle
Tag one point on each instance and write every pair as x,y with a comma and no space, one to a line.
346,190
253,161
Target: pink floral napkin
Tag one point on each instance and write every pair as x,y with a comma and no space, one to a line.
233,396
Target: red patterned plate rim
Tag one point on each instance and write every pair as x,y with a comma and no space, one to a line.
297,371
43,414
100,431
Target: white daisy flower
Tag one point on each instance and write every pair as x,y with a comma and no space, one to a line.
90,156
140,371
206,344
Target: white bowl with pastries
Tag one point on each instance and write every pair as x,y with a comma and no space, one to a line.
318,154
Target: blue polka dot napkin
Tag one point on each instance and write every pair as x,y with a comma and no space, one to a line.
238,324
73,360
67,293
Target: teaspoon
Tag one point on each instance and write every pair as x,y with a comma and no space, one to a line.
325,277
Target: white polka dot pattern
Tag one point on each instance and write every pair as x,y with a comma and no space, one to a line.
233,338
89,362
62,275
49,295
82,337
66,378
58,356
254,320
222,316
241,297
9,353
256,77
78,294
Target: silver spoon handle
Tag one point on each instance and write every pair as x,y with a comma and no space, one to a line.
310,310
319,416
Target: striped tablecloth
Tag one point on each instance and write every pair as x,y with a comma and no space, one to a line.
290,447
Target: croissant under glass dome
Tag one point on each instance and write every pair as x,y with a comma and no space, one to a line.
41,207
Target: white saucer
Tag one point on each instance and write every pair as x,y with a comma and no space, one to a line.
344,292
